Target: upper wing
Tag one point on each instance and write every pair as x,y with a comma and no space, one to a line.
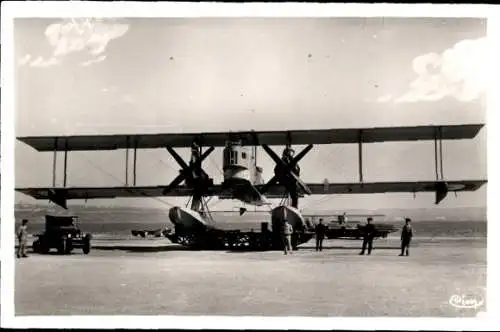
283,137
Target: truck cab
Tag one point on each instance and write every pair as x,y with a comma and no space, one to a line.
62,233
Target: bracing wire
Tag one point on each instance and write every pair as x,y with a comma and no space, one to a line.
118,180
216,165
166,165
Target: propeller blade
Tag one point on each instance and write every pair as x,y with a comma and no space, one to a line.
273,155
177,158
175,182
270,183
206,153
301,184
301,154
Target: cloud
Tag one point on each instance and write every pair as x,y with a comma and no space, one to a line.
24,60
384,98
459,72
41,63
92,61
71,36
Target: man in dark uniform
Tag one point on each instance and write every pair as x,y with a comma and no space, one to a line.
368,235
22,237
406,235
320,235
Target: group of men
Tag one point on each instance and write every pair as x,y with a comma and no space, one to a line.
368,236
320,229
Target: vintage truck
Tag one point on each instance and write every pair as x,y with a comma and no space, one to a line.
62,233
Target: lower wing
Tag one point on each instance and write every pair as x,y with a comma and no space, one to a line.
60,196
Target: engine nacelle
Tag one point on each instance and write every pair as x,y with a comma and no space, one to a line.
236,163
186,218
291,214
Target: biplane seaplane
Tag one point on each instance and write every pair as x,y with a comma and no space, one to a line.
242,177
350,227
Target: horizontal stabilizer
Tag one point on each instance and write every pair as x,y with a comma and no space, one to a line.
280,137
60,195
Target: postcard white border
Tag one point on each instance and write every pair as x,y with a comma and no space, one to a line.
14,9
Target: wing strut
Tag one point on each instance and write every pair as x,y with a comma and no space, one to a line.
360,156
441,185
126,164
128,147
65,163
135,164
54,164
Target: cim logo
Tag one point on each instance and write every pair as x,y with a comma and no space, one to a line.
466,301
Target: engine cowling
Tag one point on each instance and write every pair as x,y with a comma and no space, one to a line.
291,214
186,218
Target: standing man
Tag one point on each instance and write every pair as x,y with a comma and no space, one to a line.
406,235
287,237
320,235
368,235
22,237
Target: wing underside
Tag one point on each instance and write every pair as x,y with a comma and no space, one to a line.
61,195
280,137
392,187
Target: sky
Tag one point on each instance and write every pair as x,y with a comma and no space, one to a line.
206,74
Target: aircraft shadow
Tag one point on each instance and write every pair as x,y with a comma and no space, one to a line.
312,247
132,248
167,248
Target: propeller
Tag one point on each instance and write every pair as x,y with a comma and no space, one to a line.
186,172
286,168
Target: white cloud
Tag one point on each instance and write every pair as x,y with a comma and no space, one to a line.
71,36
384,98
459,72
24,60
41,63
92,61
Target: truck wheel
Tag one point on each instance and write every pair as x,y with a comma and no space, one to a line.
86,247
62,247
69,247
36,246
44,249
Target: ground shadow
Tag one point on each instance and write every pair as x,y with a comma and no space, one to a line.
131,248
234,250
350,247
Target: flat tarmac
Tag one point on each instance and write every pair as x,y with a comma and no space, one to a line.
149,277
